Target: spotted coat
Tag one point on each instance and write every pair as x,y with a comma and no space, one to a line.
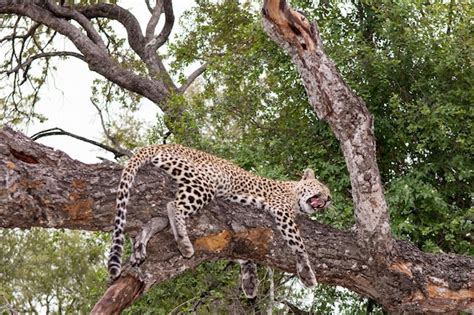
201,177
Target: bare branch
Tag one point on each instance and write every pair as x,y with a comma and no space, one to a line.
121,15
7,307
97,58
192,77
79,18
166,136
334,101
28,34
159,40
136,41
295,309
154,19
148,5
107,133
153,61
60,132
28,62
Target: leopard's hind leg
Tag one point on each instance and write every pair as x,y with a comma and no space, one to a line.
248,278
194,192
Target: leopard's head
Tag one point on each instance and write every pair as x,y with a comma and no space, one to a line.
311,194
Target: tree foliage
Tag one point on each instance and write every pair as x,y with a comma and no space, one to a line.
411,63
44,271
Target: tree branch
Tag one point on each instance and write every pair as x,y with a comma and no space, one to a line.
348,116
28,34
107,133
154,19
142,47
121,15
161,38
294,309
119,152
43,187
196,73
28,61
97,58
69,13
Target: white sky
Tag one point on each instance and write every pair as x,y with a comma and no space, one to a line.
65,100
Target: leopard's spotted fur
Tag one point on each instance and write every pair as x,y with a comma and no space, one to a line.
202,177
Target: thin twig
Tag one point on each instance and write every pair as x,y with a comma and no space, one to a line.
28,62
60,132
212,286
29,33
107,133
193,77
8,307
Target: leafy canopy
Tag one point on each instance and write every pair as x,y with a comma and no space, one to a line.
410,61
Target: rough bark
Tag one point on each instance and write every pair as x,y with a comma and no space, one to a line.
346,113
45,188
41,187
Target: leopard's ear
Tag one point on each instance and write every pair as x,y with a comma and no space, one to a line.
308,174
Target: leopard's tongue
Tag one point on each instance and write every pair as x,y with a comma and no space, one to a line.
316,202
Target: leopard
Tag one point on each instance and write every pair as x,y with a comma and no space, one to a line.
201,178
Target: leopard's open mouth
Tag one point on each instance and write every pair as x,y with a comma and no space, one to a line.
316,202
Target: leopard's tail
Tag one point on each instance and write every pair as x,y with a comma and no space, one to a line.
142,157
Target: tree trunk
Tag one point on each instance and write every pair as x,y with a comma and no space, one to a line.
43,187
346,113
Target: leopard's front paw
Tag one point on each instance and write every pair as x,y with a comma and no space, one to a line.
306,274
186,247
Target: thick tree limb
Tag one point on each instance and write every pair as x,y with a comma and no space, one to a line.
113,301
346,113
43,187
97,58
161,38
85,23
121,15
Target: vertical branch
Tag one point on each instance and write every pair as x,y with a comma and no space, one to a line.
334,101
